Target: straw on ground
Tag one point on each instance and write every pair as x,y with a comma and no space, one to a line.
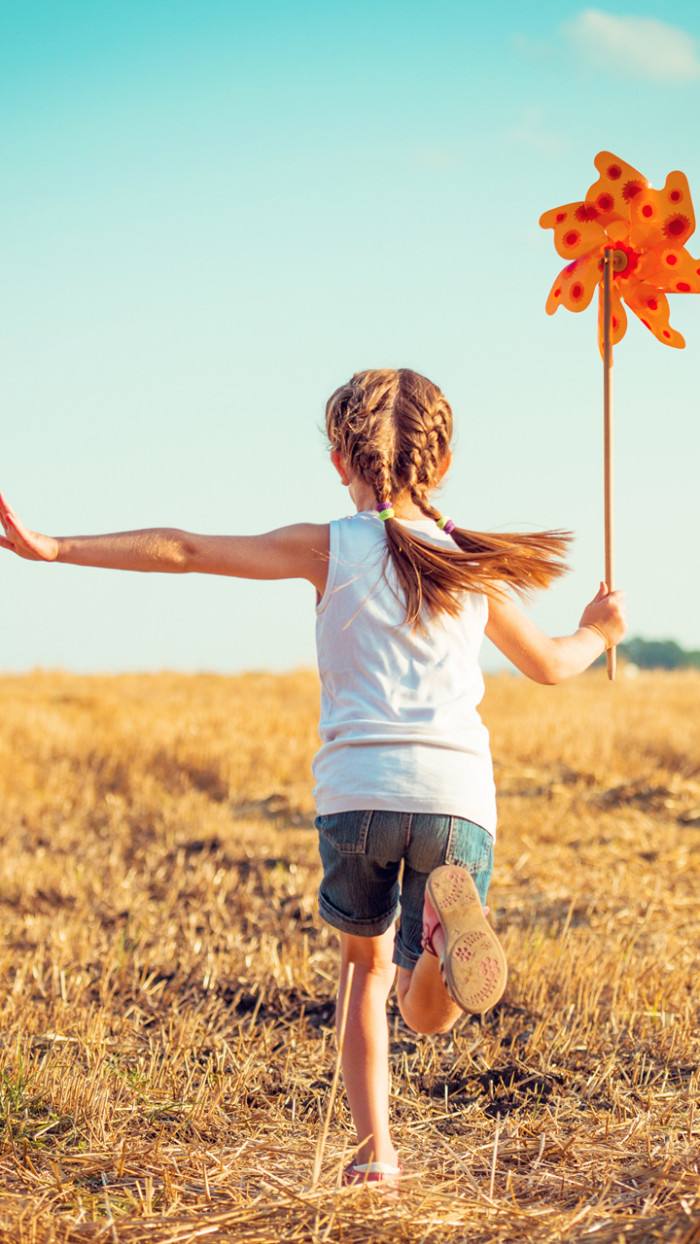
167,1039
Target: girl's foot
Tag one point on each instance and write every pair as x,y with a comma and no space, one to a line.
472,962
371,1172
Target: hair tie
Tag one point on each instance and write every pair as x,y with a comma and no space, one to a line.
385,510
447,525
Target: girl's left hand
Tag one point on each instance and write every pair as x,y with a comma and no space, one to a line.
32,545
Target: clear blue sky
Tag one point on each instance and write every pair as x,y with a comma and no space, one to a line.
213,213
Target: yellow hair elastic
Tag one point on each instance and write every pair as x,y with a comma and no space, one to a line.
447,525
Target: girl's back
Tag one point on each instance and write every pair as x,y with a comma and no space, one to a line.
399,722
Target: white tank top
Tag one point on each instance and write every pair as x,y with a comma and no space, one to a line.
399,723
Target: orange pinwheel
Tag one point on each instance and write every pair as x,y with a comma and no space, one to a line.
628,241
645,230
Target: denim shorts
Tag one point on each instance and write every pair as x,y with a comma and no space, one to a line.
364,887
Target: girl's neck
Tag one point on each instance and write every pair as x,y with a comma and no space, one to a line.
364,500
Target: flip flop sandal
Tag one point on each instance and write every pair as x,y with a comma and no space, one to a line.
370,1172
474,968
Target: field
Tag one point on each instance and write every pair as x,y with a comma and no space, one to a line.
166,1044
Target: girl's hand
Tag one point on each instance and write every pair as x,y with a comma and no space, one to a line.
30,544
607,612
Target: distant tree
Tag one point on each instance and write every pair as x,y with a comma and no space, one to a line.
657,654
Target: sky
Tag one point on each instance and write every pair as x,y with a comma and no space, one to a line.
214,213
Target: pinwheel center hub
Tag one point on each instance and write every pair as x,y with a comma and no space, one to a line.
623,259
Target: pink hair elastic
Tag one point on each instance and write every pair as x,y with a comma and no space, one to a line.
385,510
447,525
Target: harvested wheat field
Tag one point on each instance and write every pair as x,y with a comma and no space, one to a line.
167,1041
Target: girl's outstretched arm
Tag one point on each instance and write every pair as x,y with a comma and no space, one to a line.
296,552
552,659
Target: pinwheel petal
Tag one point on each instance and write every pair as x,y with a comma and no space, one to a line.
651,306
672,269
616,189
618,318
576,229
580,240
663,217
575,285
560,215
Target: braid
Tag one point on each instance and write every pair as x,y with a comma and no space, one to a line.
359,423
379,476
419,498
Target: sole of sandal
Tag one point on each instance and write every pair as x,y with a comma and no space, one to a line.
475,970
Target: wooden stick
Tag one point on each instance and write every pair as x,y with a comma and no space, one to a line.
607,436
321,1146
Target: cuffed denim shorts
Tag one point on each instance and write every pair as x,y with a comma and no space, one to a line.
364,886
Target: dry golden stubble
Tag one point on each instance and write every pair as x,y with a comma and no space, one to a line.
166,1044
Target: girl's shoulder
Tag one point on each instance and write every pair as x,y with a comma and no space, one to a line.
354,534
362,523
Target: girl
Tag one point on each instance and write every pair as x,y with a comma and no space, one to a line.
404,785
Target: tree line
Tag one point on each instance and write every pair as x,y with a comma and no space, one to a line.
657,654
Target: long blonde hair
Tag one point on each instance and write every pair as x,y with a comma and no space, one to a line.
393,428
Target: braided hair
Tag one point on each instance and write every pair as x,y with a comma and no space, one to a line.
394,428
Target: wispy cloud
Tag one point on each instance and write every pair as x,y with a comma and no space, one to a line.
639,46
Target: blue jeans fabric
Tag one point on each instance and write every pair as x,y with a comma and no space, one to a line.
364,886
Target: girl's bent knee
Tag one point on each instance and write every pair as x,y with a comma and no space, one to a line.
425,1027
426,1021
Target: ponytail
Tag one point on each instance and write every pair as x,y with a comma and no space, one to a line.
433,577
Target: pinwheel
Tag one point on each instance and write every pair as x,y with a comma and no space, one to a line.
626,240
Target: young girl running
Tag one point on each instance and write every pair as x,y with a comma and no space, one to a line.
403,779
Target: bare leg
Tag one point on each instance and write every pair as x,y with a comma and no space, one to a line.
365,1058
424,1002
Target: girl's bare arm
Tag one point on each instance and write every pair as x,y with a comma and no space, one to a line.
296,552
552,659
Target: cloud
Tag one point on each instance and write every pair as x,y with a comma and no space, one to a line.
639,46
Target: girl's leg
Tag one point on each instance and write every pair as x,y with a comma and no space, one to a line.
365,1057
424,1002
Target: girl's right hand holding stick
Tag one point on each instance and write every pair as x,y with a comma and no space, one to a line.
552,659
606,615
